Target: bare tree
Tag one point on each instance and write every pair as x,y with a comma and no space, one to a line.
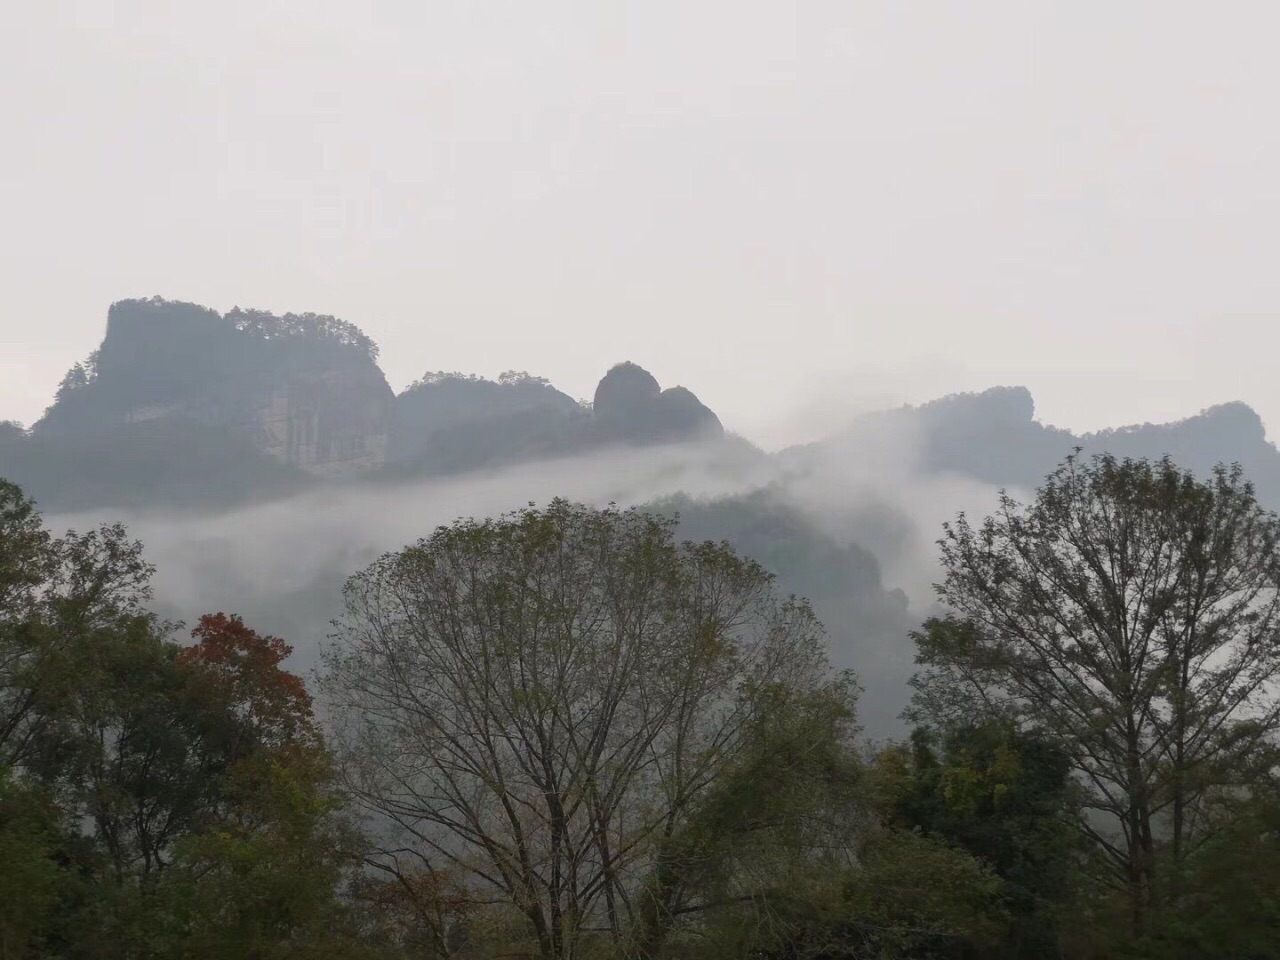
539,703
1131,613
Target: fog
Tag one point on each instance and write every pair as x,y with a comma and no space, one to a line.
868,486
225,558
281,563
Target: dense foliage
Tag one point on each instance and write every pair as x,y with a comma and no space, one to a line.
567,733
157,799
1129,618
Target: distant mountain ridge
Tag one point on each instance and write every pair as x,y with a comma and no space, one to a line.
451,422
303,389
180,404
993,436
183,404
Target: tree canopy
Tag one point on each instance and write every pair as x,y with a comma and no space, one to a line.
566,733
1128,616
539,704
157,799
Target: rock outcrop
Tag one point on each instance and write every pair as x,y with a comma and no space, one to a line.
303,390
182,404
330,422
447,422
630,406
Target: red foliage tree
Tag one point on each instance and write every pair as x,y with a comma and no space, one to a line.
239,671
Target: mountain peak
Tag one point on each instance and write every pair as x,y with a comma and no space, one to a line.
626,388
302,390
630,404
1001,404
1237,417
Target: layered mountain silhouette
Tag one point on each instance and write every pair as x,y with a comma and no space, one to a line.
993,436
451,422
182,404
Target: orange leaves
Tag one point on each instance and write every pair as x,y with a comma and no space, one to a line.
239,670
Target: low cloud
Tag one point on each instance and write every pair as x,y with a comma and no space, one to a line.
281,564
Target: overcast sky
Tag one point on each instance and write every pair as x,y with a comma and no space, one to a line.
775,204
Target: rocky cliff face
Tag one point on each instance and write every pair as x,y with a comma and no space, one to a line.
261,401
331,423
303,390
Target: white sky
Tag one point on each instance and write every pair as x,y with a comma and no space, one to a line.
773,203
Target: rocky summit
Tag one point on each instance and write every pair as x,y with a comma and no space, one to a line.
189,404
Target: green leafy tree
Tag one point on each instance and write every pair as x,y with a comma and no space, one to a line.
1127,616
262,880
790,847
32,881
208,784
1007,798
156,800
544,703
1231,908
63,602
259,877
58,599
25,562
